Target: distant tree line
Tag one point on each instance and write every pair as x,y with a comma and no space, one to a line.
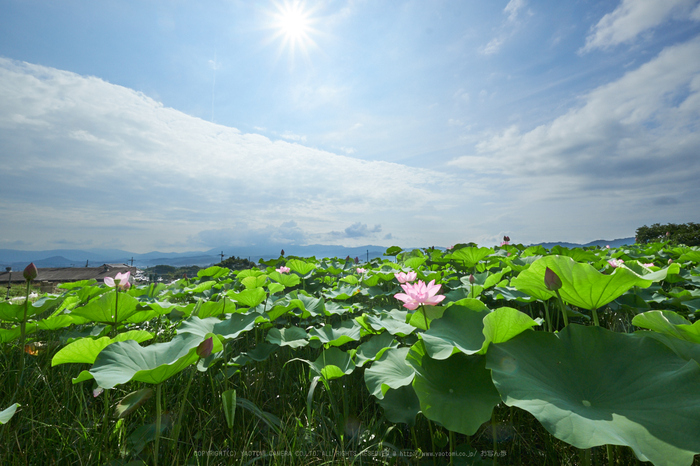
685,233
236,263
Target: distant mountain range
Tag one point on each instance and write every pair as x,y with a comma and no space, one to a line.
18,259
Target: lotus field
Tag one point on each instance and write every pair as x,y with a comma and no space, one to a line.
505,355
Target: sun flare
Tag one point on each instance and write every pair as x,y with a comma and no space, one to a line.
293,25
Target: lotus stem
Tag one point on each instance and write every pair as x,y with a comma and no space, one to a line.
157,441
176,432
595,318
563,309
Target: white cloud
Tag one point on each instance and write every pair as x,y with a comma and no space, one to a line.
631,142
633,17
84,157
513,9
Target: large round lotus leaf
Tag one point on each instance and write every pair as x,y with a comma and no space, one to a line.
393,322
126,360
102,308
459,329
249,297
456,392
469,256
294,337
15,312
231,327
336,335
374,348
400,405
582,284
503,324
86,350
669,323
301,267
389,371
589,386
333,364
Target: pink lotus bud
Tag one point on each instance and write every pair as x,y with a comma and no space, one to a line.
670,261
282,252
471,279
506,239
30,272
551,280
668,233
357,260
205,347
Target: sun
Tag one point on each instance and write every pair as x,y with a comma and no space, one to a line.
293,25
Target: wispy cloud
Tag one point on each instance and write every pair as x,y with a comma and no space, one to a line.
104,156
634,17
514,9
631,142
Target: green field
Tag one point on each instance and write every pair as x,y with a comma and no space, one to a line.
507,355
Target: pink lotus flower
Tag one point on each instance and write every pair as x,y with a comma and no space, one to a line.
417,294
651,264
615,263
406,277
121,281
361,270
284,269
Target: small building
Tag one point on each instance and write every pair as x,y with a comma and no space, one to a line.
49,277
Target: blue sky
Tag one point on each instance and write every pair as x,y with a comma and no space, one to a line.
182,125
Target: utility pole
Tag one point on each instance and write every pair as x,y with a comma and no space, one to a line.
368,255
222,256
132,261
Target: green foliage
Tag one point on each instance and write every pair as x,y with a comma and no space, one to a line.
684,233
325,359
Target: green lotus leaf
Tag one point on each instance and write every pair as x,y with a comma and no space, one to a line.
86,350
459,329
6,414
287,279
131,402
691,255
15,312
60,321
669,323
418,317
200,287
332,364
374,348
250,297
102,308
582,284
400,405
503,324
214,272
124,361
470,255
393,322
261,352
216,308
336,335
589,386
343,292
254,281
231,327
309,305
301,267
456,392
293,337
389,371
10,334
